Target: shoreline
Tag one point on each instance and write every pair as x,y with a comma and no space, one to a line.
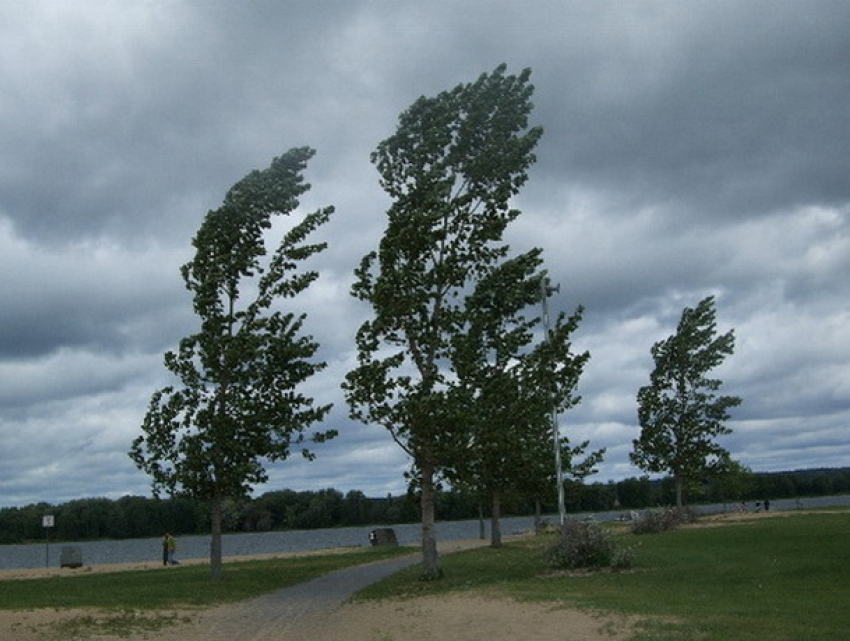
15,574
103,568
444,547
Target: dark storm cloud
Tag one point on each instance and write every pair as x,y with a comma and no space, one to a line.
91,295
127,125
711,110
689,149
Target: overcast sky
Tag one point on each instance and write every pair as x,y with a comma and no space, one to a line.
690,148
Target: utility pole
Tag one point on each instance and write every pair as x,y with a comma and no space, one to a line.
546,290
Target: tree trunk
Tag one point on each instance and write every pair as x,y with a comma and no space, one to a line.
430,561
481,531
538,516
215,540
679,492
496,528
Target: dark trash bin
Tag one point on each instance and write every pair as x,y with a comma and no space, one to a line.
71,557
383,536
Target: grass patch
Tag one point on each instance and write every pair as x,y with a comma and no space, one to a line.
180,586
782,578
123,624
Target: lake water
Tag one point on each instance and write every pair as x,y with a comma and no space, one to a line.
37,555
190,547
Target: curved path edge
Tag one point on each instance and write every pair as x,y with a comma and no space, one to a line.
291,612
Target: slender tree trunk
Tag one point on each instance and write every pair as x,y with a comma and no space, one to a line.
430,559
679,492
496,527
481,530
538,515
215,540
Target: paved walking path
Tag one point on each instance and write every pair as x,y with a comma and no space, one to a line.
291,613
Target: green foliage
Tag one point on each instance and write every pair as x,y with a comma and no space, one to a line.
733,481
507,390
679,412
451,169
240,372
238,403
587,545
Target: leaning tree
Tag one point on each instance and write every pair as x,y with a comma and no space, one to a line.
451,169
236,402
509,388
680,413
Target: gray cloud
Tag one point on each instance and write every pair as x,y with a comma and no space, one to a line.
689,149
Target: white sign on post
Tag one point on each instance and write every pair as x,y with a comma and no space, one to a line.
47,523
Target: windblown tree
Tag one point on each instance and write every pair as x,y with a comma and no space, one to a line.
451,168
510,389
554,375
238,404
496,414
680,412
540,479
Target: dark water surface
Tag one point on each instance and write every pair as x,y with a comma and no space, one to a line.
191,547
39,555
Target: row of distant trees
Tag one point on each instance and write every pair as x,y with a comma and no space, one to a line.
138,517
742,486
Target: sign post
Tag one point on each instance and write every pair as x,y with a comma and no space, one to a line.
47,522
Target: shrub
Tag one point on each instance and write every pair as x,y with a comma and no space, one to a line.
585,544
658,521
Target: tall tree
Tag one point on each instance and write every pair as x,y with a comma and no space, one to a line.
680,413
554,373
238,402
451,168
511,389
497,415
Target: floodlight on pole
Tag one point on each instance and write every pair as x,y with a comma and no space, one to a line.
546,290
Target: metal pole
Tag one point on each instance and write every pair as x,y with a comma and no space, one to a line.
547,290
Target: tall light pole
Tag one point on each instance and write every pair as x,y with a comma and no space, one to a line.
546,290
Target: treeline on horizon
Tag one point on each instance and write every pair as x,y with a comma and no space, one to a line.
141,517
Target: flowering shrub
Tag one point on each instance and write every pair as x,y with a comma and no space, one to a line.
657,521
585,544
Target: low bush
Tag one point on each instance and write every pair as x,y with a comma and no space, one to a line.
658,521
586,544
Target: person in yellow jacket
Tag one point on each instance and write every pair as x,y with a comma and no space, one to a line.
165,548
171,548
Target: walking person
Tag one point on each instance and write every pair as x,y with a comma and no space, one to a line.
165,548
171,547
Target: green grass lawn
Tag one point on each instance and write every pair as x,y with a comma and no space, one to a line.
174,587
783,578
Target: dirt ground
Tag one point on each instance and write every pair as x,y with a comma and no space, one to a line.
456,617
460,618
